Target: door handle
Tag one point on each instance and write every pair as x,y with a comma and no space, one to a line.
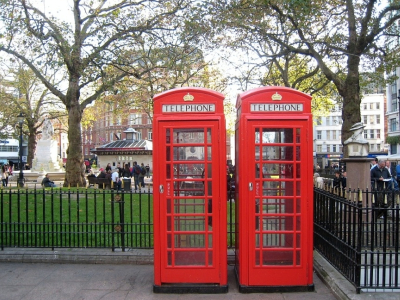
250,186
161,189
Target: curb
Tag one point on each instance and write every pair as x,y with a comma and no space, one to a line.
81,256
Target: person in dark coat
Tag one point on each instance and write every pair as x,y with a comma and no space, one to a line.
379,175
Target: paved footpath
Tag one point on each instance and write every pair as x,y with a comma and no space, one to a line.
49,281
94,274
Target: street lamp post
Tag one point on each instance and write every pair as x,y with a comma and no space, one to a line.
21,180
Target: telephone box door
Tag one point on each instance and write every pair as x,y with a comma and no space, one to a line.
189,192
280,228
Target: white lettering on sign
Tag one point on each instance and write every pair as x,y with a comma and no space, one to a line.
188,108
276,107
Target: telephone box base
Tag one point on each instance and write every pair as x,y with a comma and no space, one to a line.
190,289
247,289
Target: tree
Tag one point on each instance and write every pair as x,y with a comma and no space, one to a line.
185,66
25,93
340,36
93,51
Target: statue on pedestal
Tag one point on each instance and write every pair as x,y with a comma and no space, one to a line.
46,158
48,130
357,145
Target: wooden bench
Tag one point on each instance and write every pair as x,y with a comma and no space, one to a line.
101,182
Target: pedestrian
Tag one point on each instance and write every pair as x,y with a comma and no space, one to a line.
46,182
337,180
344,179
135,174
147,171
374,163
141,175
116,180
380,175
3,174
391,168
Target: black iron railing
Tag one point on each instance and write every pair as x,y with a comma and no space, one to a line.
73,218
81,218
358,233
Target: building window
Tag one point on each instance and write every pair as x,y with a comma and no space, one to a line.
365,134
371,106
150,135
378,133
377,105
328,121
333,148
138,120
372,119
334,136
139,135
372,134
393,149
319,148
378,119
131,119
392,124
372,147
394,99
365,106
365,120
319,122
318,134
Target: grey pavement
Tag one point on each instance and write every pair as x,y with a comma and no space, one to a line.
102,274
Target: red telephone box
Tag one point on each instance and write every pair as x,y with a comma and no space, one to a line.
274,206
190,219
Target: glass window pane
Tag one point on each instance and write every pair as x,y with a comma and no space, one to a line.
257,136
188,135
189,206
189,153
189,241
283,258
277,135
190,258
277,153
189,223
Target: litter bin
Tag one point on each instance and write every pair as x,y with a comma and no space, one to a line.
127,184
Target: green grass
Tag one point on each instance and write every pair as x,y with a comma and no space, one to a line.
92,219
80,218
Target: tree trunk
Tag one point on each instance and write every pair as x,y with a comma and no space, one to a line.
74,168
31,147
351,102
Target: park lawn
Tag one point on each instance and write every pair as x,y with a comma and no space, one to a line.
71,217
91,218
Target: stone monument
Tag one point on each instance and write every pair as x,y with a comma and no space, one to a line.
46,159
358,162
356,144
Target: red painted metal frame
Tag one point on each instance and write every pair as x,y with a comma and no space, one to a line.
190,275
267,113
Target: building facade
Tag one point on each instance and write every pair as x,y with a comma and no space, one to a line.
393,114
109,128
328,131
